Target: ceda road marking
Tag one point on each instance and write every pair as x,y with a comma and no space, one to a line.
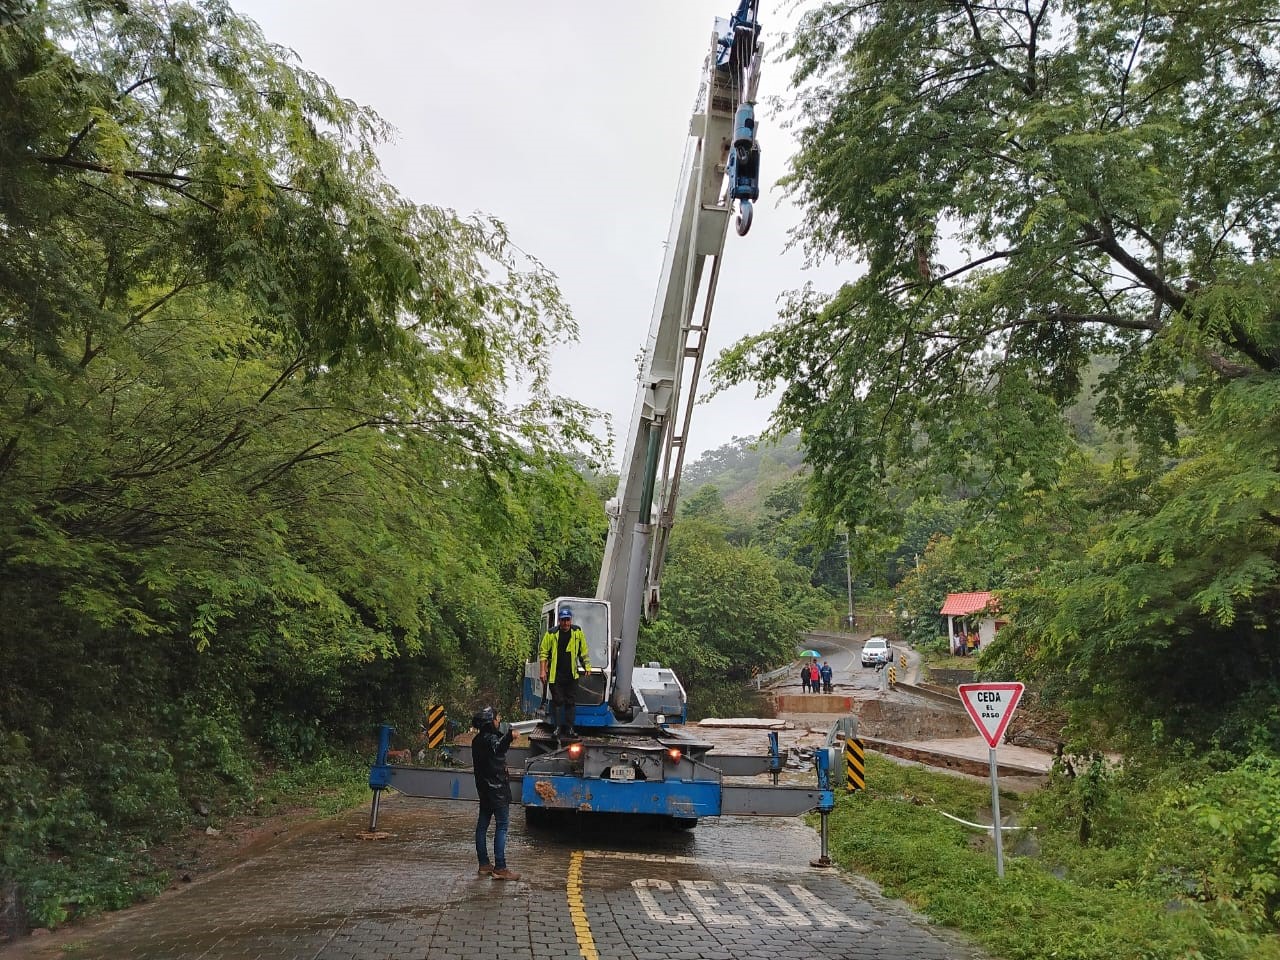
732,904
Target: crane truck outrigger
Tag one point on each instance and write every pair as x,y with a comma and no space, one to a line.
633,756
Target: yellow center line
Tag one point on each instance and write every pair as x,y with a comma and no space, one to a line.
577,910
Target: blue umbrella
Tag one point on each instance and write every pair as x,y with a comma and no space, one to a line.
810,653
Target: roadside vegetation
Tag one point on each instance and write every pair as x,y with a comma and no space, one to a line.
1135,864
73,855
259,485
1054,373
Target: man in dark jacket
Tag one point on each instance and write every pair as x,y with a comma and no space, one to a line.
489,764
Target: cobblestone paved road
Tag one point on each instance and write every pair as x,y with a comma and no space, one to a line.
732,888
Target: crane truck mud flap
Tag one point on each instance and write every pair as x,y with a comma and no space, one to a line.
673,798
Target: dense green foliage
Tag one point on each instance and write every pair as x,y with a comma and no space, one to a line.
755,490
258,487
1066,214
728,612
1057,377
1171,869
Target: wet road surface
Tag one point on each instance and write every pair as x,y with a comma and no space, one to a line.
734,887
844,653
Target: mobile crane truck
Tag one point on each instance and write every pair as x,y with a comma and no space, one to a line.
633,756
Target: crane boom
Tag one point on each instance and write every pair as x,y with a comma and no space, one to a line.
634,758
721,134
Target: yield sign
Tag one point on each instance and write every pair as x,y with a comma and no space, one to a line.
991,705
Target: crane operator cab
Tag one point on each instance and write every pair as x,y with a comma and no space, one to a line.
656,692
592,617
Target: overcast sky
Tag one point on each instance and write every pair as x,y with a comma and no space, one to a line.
567,120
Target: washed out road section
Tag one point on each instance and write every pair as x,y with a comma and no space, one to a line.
733,887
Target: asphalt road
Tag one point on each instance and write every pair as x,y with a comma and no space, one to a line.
844,654
734,887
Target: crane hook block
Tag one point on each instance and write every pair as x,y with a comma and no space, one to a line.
744,174
744,182
743,169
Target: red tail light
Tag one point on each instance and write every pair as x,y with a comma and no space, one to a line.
575,751
674,754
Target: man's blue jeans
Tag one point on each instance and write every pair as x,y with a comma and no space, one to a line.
502,817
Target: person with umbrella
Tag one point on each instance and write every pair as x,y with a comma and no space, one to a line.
809,676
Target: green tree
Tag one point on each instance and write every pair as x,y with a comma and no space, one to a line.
1106,172
1031,188
259,485
705,503
728,610
236,358
1146,599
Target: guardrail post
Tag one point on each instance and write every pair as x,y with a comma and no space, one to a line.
855,762
842,728
435,727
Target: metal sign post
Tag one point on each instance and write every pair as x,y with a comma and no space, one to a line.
991,706
995,815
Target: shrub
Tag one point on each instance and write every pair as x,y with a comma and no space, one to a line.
55,845
1217,841
212,754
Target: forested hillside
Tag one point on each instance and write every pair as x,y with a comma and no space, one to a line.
746,464
258,487
741,582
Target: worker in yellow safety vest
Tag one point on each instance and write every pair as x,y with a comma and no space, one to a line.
561,652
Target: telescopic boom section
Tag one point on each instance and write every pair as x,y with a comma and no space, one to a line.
665,394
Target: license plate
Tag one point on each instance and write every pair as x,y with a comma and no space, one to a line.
622,773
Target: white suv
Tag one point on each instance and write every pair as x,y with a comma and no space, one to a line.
876,651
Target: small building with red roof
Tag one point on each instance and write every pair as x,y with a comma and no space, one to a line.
971,613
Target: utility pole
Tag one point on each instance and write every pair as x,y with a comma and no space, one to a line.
848,575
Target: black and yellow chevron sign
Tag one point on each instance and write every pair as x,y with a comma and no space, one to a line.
893,675
435,727
855,765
